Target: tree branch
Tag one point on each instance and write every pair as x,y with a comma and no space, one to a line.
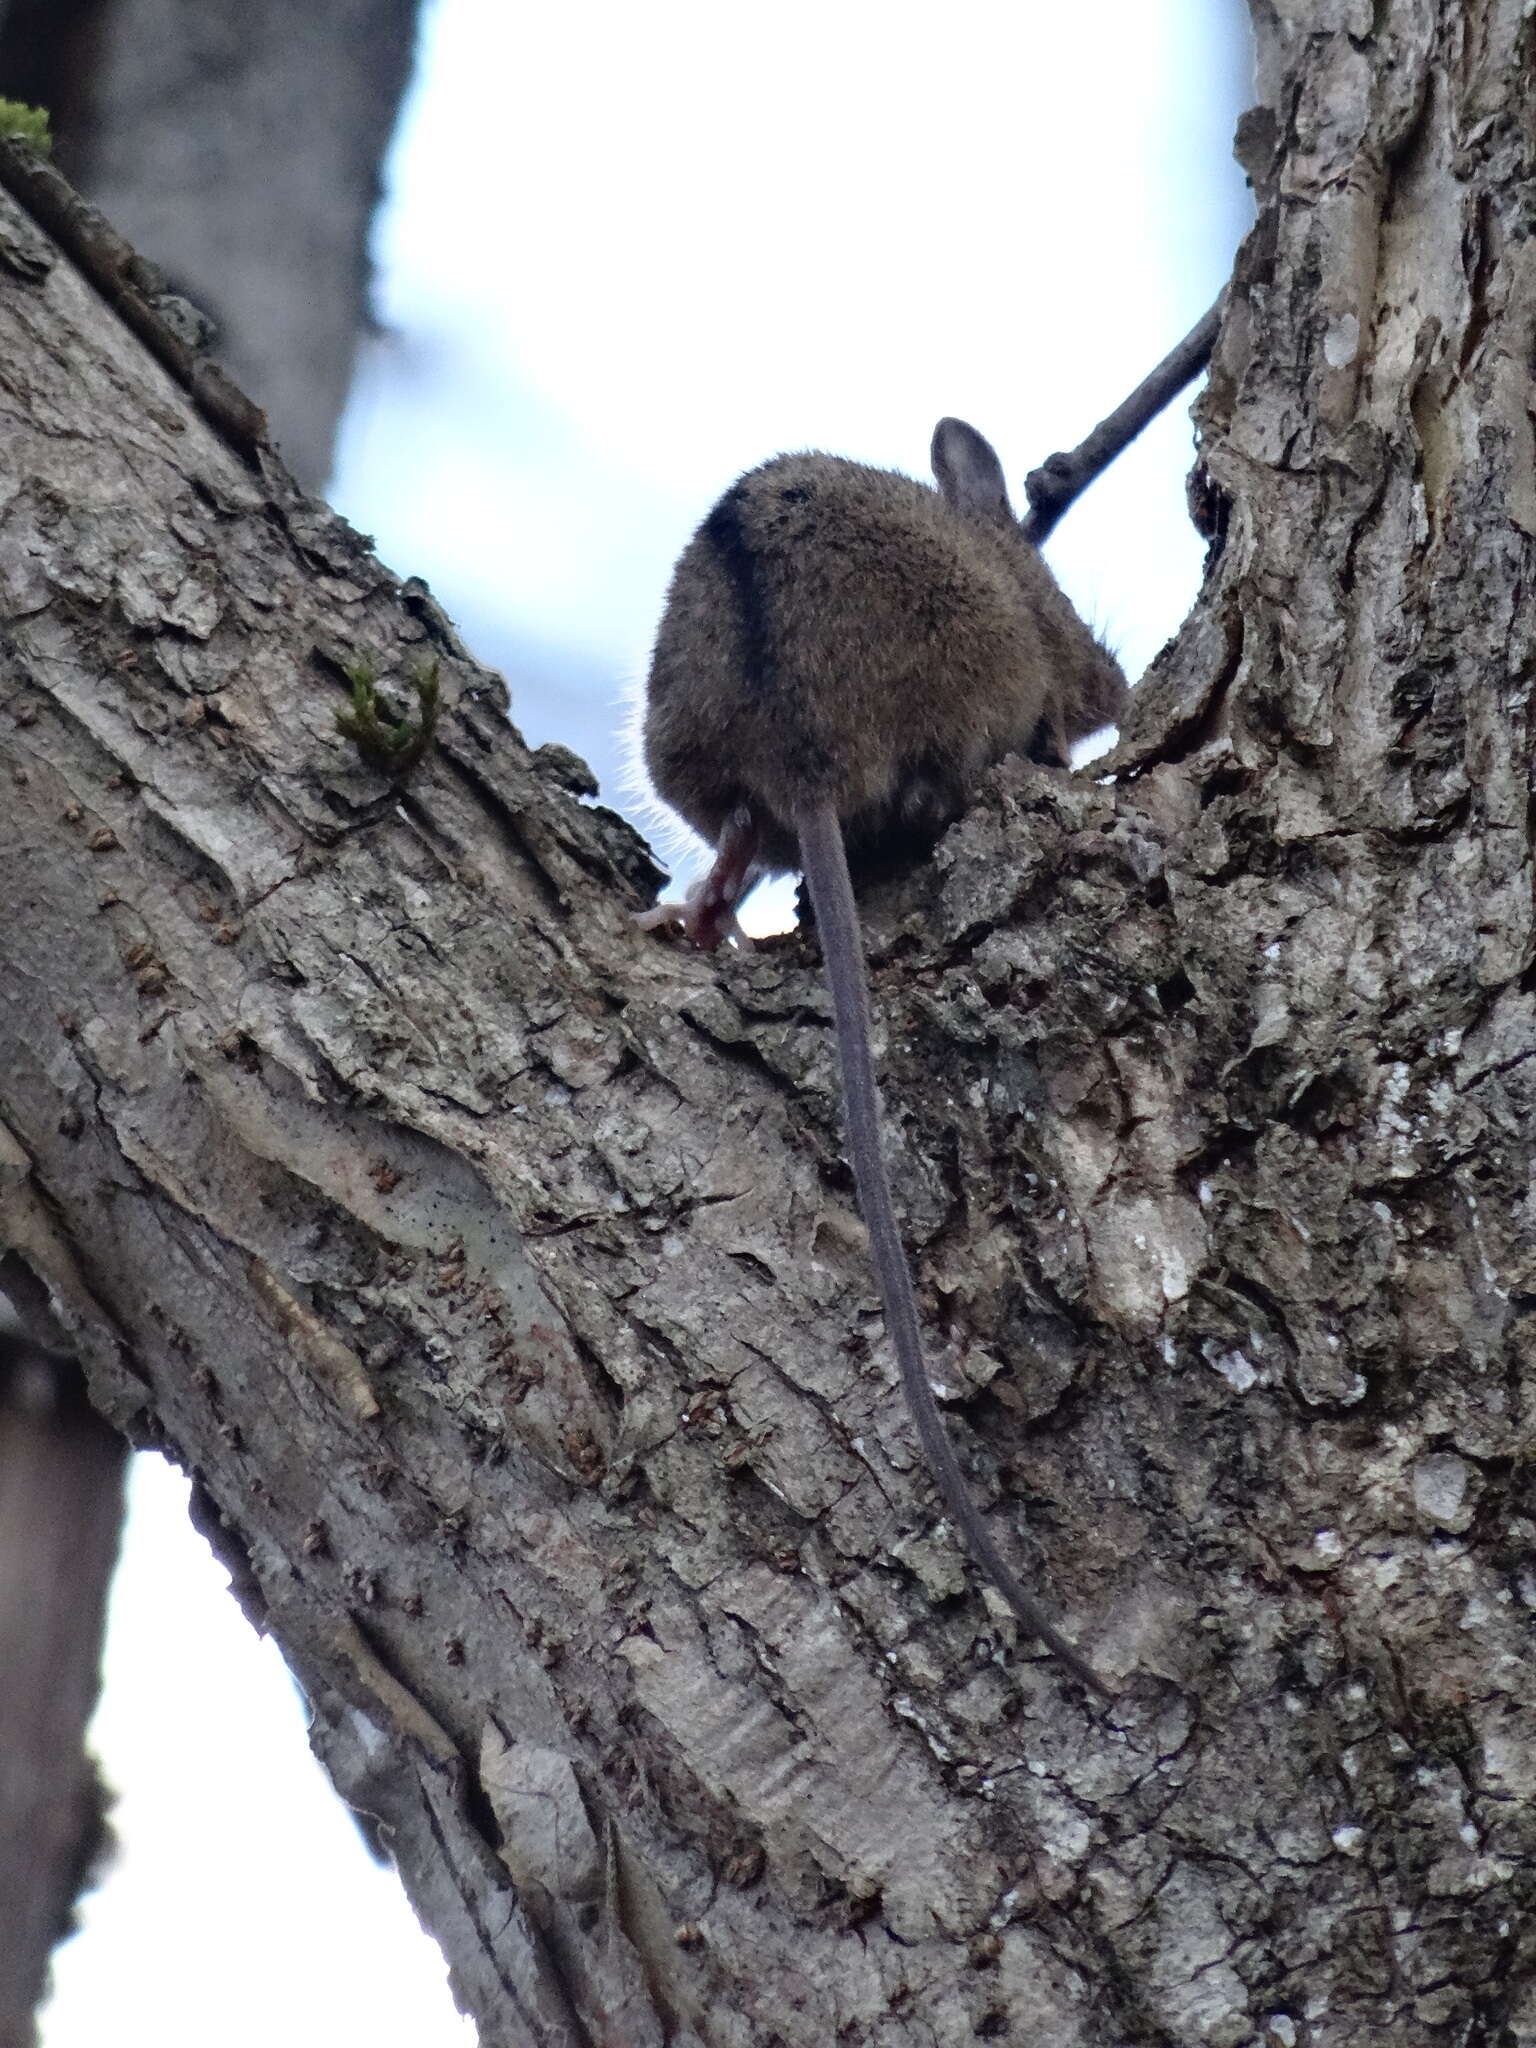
1060,478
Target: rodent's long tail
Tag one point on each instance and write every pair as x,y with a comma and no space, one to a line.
826,872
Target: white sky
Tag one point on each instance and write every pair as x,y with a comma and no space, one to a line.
629,252
243,1909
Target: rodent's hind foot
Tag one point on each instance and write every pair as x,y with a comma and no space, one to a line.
672,910
708,913
703,918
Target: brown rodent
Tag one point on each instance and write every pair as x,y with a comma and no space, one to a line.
843,652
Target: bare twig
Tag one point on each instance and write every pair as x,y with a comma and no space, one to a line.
1051,488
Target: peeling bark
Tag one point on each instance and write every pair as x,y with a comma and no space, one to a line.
495,1268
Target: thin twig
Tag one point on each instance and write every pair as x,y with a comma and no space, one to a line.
1051,488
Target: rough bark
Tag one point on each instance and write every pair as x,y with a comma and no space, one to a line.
239,144
494,1268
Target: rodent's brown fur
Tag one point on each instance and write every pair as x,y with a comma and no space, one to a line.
843,652
840,631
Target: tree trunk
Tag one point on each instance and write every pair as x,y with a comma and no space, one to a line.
61,1483
165,111
494,1268
239,144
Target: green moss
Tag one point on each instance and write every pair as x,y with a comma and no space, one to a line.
21,123
391,744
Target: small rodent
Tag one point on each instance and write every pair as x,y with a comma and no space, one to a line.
842,653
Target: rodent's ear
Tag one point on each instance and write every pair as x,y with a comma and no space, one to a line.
967,471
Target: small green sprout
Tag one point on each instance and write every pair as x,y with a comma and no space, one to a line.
21,123
390,744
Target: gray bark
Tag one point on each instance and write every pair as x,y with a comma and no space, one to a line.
241,145
61,1481
494,1266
